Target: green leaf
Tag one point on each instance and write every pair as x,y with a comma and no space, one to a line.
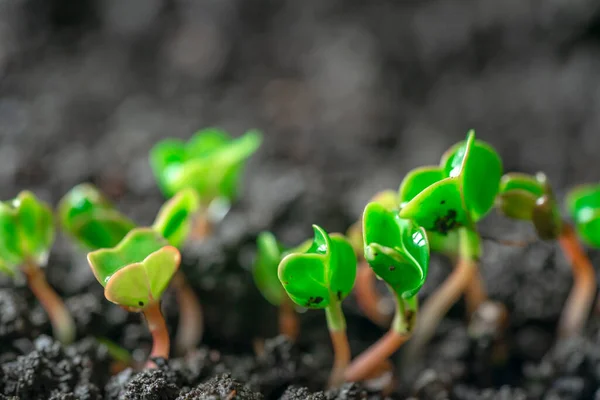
479,169
175,218
322,275
88,217
210,163
583,205
396,249
26,231
136,271
518,195
418,180
268,257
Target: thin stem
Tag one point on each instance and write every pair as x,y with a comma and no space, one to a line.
160,334
367,297
191,319
62,323
341,348
580,300
289,323
475,293
375,356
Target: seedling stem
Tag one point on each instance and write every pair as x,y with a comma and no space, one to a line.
367,297
341,348
581,297
60,318
191,319
289,324
160,334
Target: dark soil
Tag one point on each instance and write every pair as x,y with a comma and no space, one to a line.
350,95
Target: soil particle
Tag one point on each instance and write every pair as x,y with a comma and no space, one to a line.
160,383
348,391
301,393
51,371
14,318
462,392
221,387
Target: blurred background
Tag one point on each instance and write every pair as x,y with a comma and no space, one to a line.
350,95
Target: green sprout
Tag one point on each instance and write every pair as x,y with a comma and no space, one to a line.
90,219
530,198
448,200
175,222
265,272
583,204
26,237
134,274
320,278
398,252
210,164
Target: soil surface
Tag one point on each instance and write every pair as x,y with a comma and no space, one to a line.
350,95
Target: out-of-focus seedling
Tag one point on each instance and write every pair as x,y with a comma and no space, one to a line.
26,237
211,163
448,200
90,219
367,297
321,277
530,198
134,274
398,252
174,223
583,204
269,254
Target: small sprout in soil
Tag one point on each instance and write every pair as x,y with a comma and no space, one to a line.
398,252
90,219
530,198
321,277
26,237
174,222
583,204
269,254
134,274
448,200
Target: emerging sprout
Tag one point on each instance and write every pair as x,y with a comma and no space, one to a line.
89,218
26,236
530,198
398,251
269,254
448,200
211,163
174,223
583,204
321,277
135,274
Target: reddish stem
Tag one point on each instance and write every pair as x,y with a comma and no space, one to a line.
289,323
160,334
341,353
367,297
191,320
475,294
580,300
375,356
62,323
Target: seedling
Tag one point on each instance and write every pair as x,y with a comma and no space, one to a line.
90,219
269,254
583,204
134,274
448,200
320,278
211,163
365,291
530,198
398,252
26,237
174,223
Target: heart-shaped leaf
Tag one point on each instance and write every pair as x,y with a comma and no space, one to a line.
583,204
210,163
396,249
321,275
175,218
88,217
26,231
268,256
518,195
458,193
136,272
